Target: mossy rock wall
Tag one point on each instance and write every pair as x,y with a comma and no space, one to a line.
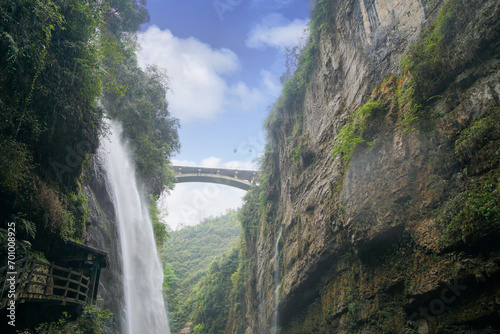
397,233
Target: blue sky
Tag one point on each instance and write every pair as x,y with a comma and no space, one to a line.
224,59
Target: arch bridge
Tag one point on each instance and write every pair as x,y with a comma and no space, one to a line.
238,178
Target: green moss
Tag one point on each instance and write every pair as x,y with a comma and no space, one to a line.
351,134
300,155
478,133
404,95
445,47
473,212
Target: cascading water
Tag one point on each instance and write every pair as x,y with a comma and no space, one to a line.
277,283
143,275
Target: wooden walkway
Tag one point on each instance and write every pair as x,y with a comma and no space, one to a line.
34,280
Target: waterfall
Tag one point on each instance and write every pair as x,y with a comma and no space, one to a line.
277,283
143,274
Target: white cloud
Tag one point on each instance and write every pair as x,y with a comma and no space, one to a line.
196,70
250,98
198,90
271,83
245,97
276,31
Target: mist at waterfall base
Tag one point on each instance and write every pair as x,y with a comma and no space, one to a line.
143,275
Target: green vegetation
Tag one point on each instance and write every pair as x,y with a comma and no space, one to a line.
476,210
478,134
446,47
212,300
54,68
143,111
432,60
350,135
294,86
159,228
62,63
92,321
49,118
187,256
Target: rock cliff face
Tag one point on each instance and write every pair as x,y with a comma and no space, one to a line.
402,238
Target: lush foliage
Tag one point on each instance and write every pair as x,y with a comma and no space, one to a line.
212,301
61,62
476,210
57,58
50,79
186,257
92,321
159,228
49,82
138,101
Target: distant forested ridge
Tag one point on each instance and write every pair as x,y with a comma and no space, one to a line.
192,258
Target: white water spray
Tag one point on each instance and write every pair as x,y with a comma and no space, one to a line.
277,283
143,275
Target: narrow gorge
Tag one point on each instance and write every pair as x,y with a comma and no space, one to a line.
376,207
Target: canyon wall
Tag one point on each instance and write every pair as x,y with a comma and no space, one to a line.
400,237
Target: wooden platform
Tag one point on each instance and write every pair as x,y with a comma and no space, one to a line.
36,280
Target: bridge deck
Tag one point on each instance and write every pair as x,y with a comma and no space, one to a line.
238,178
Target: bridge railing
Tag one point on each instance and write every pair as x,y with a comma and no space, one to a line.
32,279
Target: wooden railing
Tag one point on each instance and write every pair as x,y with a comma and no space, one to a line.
34,280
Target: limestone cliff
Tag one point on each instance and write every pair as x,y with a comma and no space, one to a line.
397,234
